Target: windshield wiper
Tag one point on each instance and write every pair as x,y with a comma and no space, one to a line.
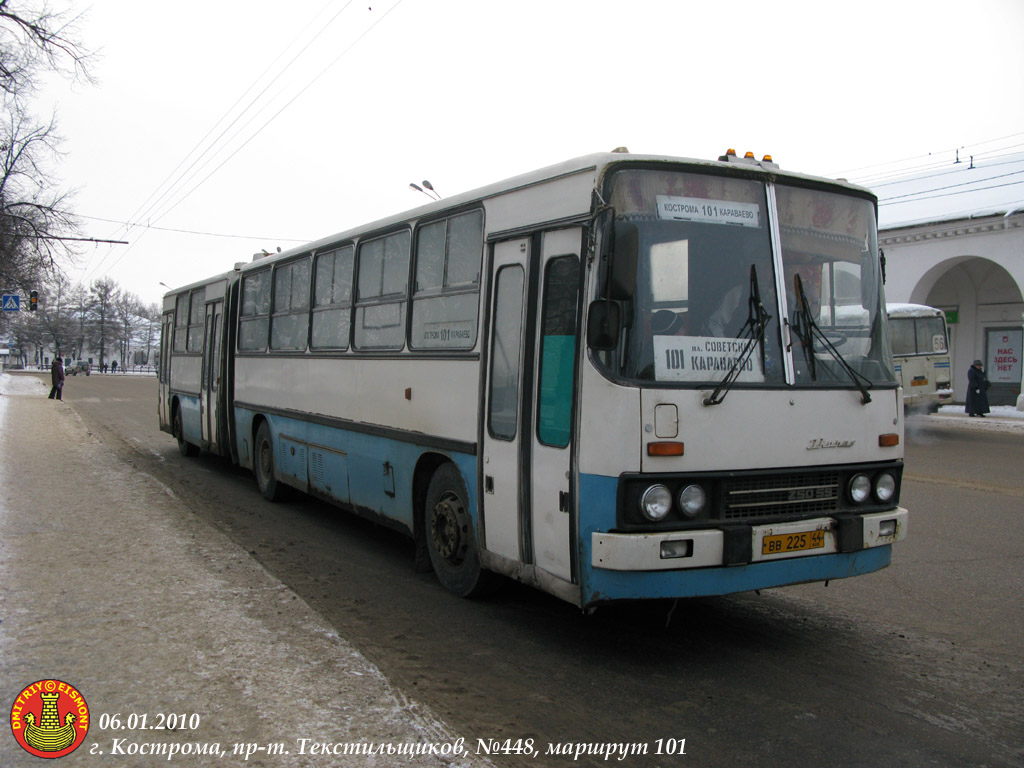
807,330
754,331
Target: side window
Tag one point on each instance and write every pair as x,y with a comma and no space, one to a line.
446,295
503,410
558,351
197,317
382,292
180,322
332,298
289,324
254,321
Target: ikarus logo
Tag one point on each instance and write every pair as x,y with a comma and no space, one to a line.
821,442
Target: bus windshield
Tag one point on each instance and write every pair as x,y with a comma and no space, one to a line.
706,299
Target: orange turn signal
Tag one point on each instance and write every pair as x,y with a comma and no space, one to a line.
888,440
664,449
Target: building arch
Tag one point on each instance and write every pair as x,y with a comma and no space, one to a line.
982,299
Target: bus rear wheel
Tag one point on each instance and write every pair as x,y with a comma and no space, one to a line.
185,448
451,543
263,465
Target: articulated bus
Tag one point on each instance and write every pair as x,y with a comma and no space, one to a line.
622,377
920,350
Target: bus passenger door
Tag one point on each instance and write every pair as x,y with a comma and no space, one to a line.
502,508
552,516
527,458
210,382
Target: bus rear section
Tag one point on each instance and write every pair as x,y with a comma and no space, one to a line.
196,364
920,350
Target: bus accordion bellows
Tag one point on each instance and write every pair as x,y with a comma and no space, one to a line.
621,377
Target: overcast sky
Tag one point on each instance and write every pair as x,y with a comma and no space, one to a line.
352,101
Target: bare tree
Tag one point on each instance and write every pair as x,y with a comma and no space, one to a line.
34,217
103,326
55,320
36,224
36,39
149,331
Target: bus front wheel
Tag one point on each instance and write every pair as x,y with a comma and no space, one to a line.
263,465
185,448
450,540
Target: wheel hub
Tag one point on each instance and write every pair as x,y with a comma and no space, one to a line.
448,526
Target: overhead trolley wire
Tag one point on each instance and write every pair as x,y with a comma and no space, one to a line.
142,210
285,107
153,208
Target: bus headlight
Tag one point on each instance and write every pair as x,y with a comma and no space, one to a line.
692,500
859,488
656,503
885,487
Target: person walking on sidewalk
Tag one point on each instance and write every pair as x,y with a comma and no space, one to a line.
977,390
57,377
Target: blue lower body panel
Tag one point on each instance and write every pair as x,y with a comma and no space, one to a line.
368,472
597,514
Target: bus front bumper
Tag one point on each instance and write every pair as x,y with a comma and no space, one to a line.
746,544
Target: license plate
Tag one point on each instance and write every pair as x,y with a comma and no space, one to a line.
792,542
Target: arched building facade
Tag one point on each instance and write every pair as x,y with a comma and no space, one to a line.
973,270
962,251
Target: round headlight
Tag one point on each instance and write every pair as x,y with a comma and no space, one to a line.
692,500
655,503
860,488
885,487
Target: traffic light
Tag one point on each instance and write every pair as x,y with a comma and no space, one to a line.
33,301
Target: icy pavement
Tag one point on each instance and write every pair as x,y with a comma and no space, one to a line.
1003,418
147,610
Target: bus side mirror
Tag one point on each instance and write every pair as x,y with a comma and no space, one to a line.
622,281
604,322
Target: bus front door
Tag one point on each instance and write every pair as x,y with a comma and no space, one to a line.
528,437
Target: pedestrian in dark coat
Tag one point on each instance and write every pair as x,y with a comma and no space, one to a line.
977,390
57,377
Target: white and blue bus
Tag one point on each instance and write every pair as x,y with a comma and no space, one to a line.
622,377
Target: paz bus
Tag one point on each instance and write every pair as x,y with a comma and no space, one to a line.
621,377
921,355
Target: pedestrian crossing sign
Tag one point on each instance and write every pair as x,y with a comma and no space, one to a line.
12,302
